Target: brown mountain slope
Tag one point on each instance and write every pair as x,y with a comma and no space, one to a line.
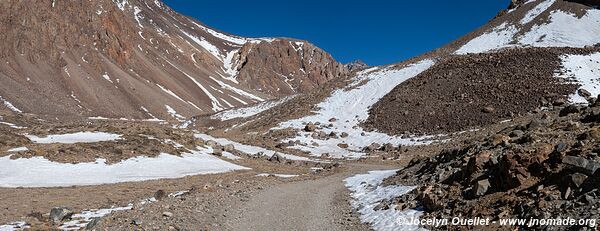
140,59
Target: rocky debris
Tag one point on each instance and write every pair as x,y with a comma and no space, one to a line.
462,92
59,214
544,167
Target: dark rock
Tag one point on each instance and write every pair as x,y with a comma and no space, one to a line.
344,135
310,127
333,135
387,147
276,158
93,223
488,109
577,179
584,93
517,133
160,194
342,145
59,214
588,167
569,110
561,147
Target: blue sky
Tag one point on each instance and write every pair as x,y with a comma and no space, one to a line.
376,31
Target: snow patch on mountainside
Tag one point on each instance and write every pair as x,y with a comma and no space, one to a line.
40,172
536,11
368,193
246,112
79,137
10,106
350,107
565,30
585,70
498,38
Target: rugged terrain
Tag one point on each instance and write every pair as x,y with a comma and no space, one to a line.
139,59
125,115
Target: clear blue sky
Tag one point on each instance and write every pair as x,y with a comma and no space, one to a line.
376,31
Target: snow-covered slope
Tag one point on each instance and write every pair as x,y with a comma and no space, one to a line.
346,108
140,59
539,23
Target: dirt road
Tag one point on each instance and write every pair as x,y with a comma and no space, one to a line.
321,204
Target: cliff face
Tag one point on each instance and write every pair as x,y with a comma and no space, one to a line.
140,59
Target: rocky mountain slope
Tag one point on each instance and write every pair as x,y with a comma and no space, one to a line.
140,59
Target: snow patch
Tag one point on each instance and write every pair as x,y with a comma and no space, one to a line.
565,30
536,11
10,106
277,175
40,172
498,38
79,137
584,70
246,112
174,113
80,220
13,226
350,107
368,192
19,149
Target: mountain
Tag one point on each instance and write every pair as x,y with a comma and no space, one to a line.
536,56
140,59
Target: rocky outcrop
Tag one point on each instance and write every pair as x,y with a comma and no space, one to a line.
285,66
546,167
357,65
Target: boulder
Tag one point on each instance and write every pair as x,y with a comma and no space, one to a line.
59,214
344,135
569,110
481,187
211,143
373,147
577,179
229,148
387,147
276,158
310,127
342,145
488,109
584,165
217,151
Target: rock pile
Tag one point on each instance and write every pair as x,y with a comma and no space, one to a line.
546,168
